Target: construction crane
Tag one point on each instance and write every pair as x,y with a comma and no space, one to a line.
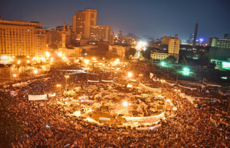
185,61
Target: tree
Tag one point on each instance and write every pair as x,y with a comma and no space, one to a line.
170,59
131,51
146,54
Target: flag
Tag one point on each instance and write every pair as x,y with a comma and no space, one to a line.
13,93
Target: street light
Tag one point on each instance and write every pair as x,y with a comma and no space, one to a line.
186,71
163,64
58,85
47,54
125,103
35,71
14,75
130,74
66,77
86,62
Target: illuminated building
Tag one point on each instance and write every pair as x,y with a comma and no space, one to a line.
165,39
159,55
83,20
174,46
101,33
52,37
19,38
120,50
191,39
219,43
85,24
219,52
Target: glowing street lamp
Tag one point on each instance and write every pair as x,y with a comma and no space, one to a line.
59,54
66,77
47,54
28,61
14,75
125,103
58,85
186,71
86,62
35,71
163,64
130,74
18,62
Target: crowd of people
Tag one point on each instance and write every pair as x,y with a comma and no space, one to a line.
47,123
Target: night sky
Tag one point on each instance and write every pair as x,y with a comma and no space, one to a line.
154,18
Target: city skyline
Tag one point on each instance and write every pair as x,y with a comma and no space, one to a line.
154,19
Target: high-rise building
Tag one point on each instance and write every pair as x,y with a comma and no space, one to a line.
174,47
101,32
219,43
191,39
165,40
19,38
85,24
195,34
52,36
83,20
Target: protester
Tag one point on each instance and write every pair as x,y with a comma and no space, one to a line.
48,124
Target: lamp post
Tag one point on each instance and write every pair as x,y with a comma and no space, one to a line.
36,71
161,85
58,85
125,104
130,74
87,62
66,76
14,75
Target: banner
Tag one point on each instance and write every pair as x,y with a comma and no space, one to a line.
13,93
129,85
37,97
105,119
157,90
148,128
109,81
52,95
187,87
94,81
171,84
145,119
151,75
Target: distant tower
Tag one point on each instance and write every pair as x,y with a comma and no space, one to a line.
0,16
195,34
63,48
176,36
119,35
191,39
63,37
